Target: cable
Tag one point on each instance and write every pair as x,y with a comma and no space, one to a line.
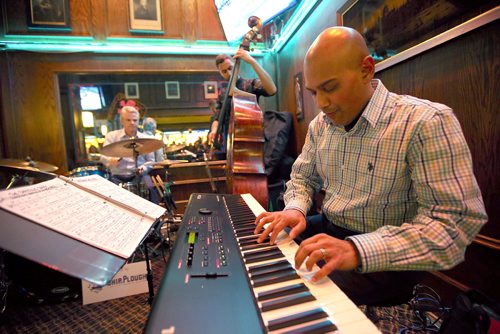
426,300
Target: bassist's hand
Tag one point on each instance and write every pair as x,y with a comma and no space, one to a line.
245,56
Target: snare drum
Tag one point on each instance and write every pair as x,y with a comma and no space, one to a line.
89,170
141,190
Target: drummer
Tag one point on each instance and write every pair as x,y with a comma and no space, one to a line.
124,169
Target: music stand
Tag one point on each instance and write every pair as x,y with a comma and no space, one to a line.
57,251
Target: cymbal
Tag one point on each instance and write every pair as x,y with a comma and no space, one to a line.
126,148
164,163
168,162
174,148
28,164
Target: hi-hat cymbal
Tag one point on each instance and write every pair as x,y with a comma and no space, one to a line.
28,164
164,163
168,162
174,148
126,148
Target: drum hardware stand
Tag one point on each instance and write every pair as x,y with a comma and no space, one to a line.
14,179
170,213
17,177
137,179
209,173
149,275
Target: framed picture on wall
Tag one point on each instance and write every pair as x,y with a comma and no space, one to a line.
299,98
393,28
145,16
211,91
172,90
131,90
48,14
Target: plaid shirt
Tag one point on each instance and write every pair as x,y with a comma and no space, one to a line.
402,177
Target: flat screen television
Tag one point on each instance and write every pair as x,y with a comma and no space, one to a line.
234,14
91,98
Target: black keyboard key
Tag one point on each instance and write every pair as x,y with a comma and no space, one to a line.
299,298
284,276
297,319
319,328
281,292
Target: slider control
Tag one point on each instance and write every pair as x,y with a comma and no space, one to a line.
209,275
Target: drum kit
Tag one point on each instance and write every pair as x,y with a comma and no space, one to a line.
137,146
16,172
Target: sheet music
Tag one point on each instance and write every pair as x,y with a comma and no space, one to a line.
67,209
109,189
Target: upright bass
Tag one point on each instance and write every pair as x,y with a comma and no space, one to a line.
245,169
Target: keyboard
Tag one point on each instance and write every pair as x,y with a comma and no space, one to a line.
219,280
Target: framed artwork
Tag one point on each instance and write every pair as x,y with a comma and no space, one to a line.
405,28
131,90
298,91
145,16
48,14
172,90
211,91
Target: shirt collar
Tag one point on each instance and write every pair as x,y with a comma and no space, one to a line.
125,136
374,108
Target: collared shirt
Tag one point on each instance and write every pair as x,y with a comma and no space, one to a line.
402,177
127,166
158,154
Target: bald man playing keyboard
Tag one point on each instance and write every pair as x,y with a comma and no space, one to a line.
401,197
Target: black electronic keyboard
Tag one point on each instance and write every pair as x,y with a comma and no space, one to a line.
219,280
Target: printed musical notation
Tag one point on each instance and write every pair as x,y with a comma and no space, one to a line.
90,209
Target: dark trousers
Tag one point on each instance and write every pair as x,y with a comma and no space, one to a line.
377,289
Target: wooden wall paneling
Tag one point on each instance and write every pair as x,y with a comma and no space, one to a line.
209,26
97,19
82,15
15,16
172,14
110,18
118,18
463,74
189,19
5,110
36,129
290,62
33,95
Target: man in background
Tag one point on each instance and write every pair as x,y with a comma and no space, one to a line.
149,126
123,169
263,86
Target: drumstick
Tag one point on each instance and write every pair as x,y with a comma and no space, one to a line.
160,182
157,187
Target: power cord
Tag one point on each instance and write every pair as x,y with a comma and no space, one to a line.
426,301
